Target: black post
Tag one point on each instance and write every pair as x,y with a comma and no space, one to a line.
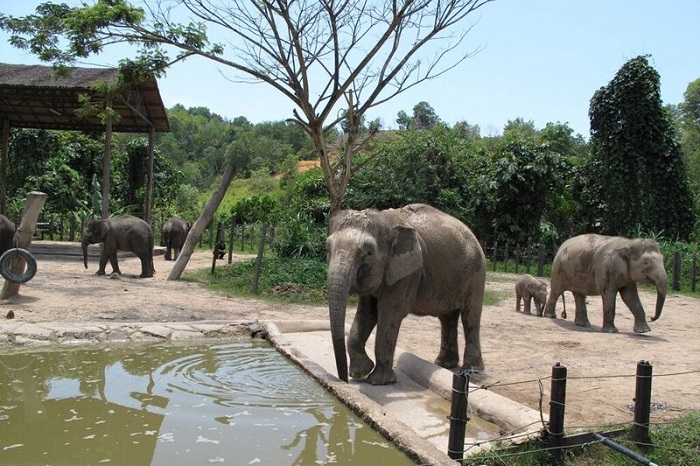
677,271
230,239
517,257
258,261
540,261
556,412
505,259
495,254
458,416
642,404
527,257
694,271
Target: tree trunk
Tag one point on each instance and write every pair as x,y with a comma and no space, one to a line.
201,224
23,236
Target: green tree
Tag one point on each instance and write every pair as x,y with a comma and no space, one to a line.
367,52
424,117
636,174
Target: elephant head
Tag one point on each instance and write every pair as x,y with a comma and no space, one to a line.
365,253
538,291
646,265
94,232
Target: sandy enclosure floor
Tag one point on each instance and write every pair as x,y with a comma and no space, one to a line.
519,350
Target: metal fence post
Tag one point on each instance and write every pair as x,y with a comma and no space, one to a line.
556,412
458,416
540,261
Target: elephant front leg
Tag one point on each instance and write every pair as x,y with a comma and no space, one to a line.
449,354
389,319
526,304
103,263
362,326
630,297
581,312
471,322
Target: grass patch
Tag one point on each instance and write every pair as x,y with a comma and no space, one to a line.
675,444
301,281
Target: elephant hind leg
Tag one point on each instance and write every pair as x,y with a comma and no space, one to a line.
471,322
581,318
449,352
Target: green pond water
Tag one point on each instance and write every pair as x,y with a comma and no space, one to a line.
239,403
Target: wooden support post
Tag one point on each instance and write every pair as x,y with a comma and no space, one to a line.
458,416
677,271
540,261
505,258
23,236
642,404
230,239
556,412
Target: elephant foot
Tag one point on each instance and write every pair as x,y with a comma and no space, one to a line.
582,323
641,328
382,377
550,314
447,362
145,275
610,328
100,272
527,312
360,366
474,365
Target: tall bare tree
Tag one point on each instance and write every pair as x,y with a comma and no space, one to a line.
334,59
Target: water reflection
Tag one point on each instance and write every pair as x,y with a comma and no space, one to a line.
234,403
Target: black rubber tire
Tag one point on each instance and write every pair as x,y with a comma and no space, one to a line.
6,265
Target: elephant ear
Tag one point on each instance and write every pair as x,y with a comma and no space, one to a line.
406,255
103,227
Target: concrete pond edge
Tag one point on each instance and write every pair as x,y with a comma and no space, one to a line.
510,416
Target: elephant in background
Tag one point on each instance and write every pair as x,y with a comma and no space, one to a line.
597,265
415,260
527,289
125,233
175,232
7,234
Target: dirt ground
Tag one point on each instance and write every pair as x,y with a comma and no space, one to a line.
519,350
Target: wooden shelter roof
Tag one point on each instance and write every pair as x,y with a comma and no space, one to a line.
32,96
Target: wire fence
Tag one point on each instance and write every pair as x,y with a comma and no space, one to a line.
582,436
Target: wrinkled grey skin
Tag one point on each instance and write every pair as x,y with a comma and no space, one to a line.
597,265
527,289
413,260
7,234
174,235
125,233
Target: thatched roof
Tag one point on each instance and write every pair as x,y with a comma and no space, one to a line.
32,96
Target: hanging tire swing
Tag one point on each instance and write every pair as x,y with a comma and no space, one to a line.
7,259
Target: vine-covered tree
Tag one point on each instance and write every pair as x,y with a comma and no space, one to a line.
636,174
324,56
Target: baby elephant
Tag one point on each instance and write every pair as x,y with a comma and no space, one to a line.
528,288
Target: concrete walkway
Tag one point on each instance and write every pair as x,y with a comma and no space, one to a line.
413,412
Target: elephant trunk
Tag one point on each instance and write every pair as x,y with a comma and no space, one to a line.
339,277
661,287
85,243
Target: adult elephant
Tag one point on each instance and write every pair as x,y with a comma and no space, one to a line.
7,234
597,265
125,233
174,235
415,260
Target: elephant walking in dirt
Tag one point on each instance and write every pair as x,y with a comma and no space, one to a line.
528,289
125,233
596,265
413,260
175,232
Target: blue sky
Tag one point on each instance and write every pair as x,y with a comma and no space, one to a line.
541,60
